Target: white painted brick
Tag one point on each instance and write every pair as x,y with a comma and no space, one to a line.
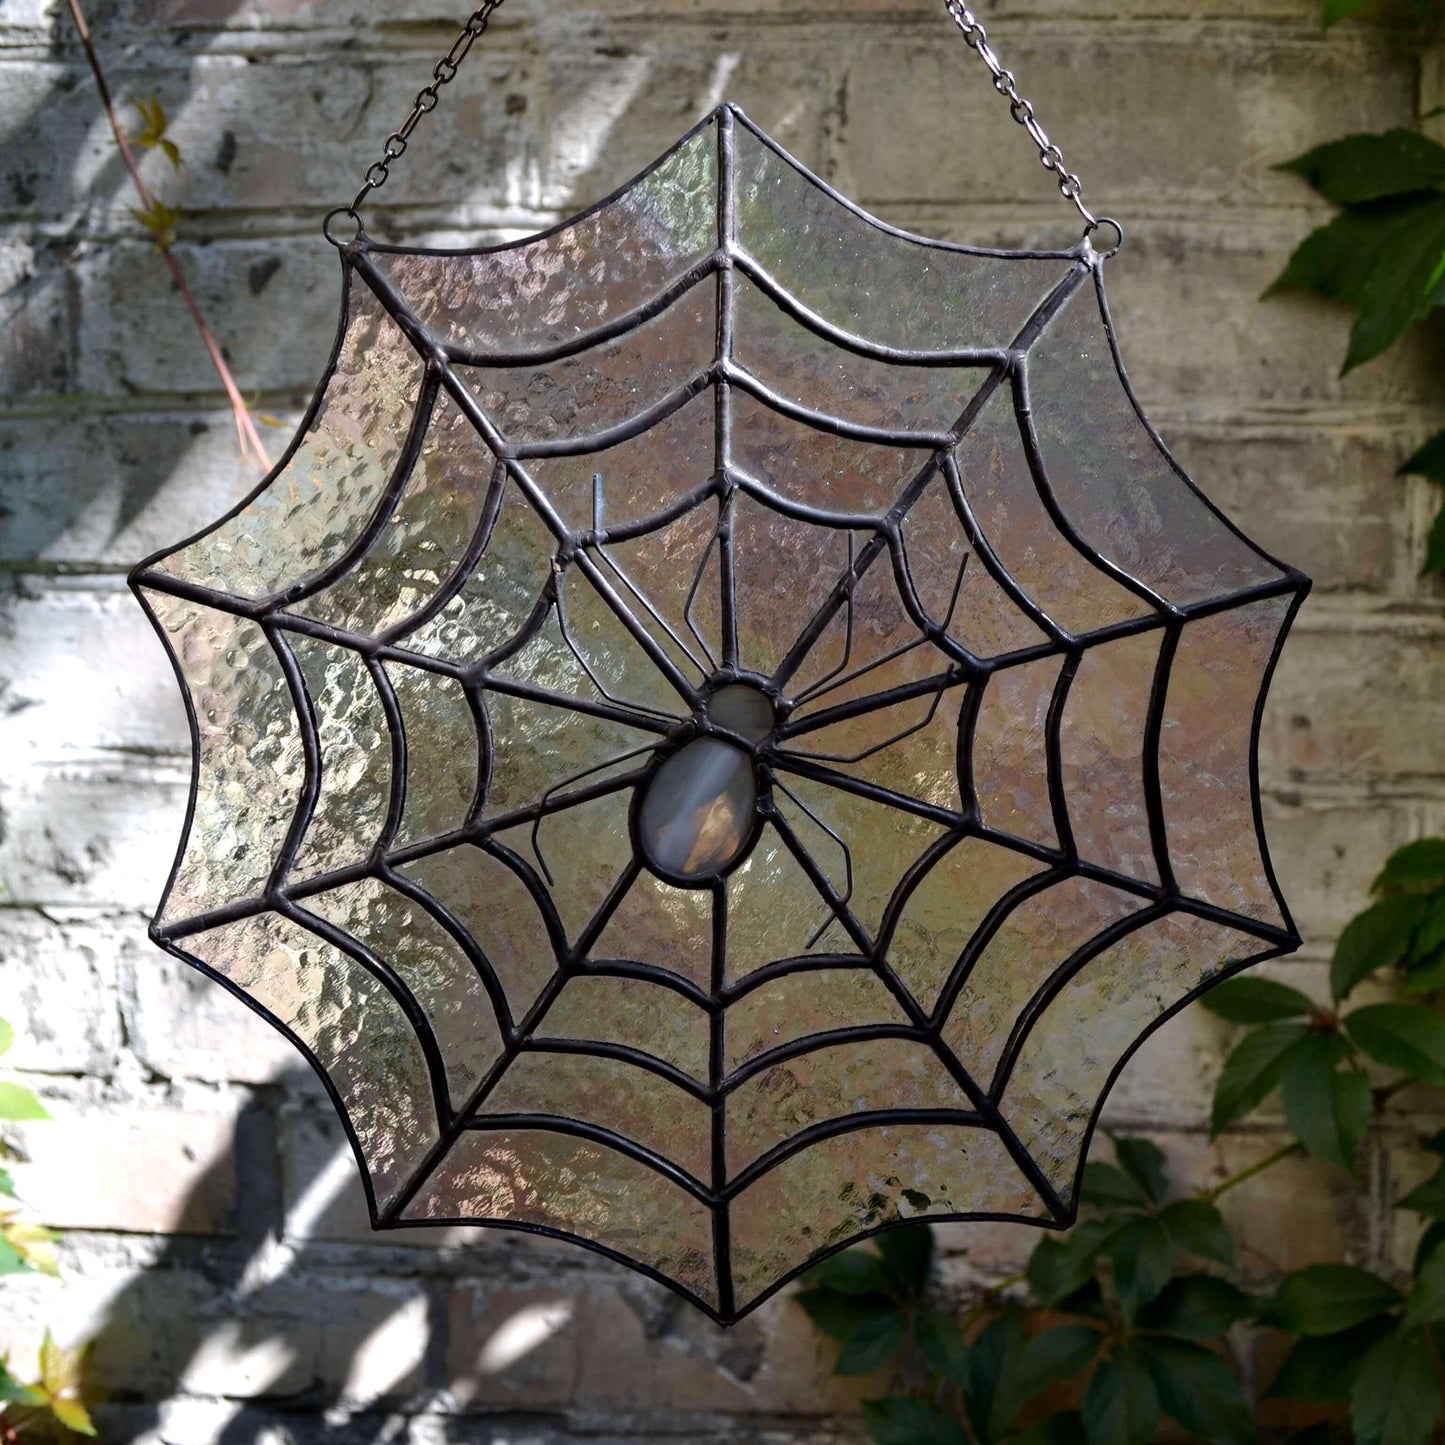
179,1023
110,490
148,1171
58,987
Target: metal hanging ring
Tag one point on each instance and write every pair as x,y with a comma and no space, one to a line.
331,227
1092,230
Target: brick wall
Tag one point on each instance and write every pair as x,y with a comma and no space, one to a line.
215,1244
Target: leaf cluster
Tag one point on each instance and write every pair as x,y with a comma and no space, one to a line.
1121,1329
25,1247
1383,254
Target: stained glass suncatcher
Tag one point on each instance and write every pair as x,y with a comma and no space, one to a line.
726,728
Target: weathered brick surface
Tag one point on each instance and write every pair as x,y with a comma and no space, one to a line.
218,1249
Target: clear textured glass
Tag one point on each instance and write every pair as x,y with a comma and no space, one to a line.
250,767
801,704
316,505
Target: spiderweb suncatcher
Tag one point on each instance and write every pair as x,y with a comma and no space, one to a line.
726,728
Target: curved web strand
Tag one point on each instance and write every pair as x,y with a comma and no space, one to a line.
872,523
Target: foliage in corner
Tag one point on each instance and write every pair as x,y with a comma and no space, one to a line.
25,1247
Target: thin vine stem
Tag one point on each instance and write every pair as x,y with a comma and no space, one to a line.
249,439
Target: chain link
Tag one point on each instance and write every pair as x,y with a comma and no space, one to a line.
443,73
1005,82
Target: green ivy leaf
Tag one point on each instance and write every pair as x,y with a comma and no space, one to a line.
17,1102
1064,1429
1435,546
7,1036
1427,1198
1253,1071
1256,1001
1426,1304
873,1344
1429,461
1105,1187
1333,11
1359,168
1324,1299
1417,865
12,1261
1143,1161
1055,1355
992,1359
943,1347
1059,1267
854,1271
14,1393
903,1420
1143,1255
838,1315
1327,1106
1198,1228
1402,1036
1197,1307
1321,1370
1197,1389
907,1254
1396,1399
1121,1403
1372,940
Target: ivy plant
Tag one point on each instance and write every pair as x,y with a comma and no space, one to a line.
25,1247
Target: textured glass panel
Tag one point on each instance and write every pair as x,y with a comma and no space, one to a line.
953,584
784,1009
1008,759
605,386
537,748
636,1013
425,539
910,748
432,967
801,367
945,908
664,926
442,752
549,1180
831,1083
319,501
1101,736
640,477
866,280
773,910
641,1106
1087,1028
493,904
670,580
617,663
1039,935
584,852
814,468
353,1027
785,571
355,795
872,643
1005,502
1205,752
884,843
1114,482
250,767
584,274
858,1181
500,593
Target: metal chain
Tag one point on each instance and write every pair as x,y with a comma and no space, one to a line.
1004,81
443,73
